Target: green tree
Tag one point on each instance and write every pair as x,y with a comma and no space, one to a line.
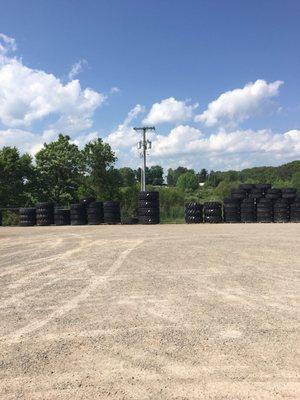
156,173
100,175
296,182
16,174
187,181
59,167
174,174
128,176
202,175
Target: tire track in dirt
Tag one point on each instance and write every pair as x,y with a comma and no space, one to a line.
73,302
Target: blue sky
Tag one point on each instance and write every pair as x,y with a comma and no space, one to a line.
133,55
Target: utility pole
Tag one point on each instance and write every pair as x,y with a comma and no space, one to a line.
144,145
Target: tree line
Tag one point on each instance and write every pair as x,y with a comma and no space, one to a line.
63,173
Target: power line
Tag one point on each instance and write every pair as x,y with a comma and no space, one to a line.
144,145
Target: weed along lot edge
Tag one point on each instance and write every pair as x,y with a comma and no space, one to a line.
150,312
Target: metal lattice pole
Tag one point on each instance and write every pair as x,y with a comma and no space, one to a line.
144,145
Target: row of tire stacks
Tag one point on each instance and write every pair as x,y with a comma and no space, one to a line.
88,211
148,208
261,203
210,212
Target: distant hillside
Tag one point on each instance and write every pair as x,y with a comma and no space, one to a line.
283,172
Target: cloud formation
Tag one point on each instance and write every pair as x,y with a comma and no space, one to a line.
77,68
29,95
238,105
171,111
125,136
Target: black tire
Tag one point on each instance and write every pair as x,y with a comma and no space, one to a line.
148,196
148,203
194,219
247,186
192,213
211,219
149,220
263,186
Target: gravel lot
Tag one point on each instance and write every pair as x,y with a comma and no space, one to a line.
150,312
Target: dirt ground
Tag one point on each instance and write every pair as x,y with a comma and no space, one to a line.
150,312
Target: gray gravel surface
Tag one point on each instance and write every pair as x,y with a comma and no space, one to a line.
150,312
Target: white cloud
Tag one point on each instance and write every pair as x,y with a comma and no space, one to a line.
225,149
114,90
77,68
125,136
238,105
82,140
29,95
169,110
7,45
25,141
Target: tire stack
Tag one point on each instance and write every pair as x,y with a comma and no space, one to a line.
247,187
0,218
148,208
44,214
289,194
112,214
61,216
78,214
295,210
193,213
238,194
248,210
264,211
27,216
256,194
212,212
232,211
281,210
95,214
263,187
273,194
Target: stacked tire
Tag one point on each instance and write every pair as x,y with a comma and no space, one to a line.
256,194
281,210
248,210
263,187
148,208
95,213
27,216
61,216
264,212
274,194
232,211
212,212
289,194
193,213
112,214
78,214
295,210
0,218
238,194
44,214
247,187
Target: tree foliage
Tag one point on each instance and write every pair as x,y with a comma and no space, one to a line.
187,181
59,167
16,174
